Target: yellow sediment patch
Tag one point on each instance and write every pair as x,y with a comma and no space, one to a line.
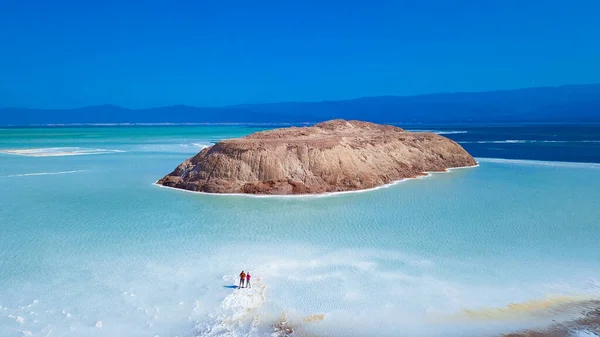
314,318
546,307
284,328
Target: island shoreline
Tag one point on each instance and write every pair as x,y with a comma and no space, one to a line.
319,195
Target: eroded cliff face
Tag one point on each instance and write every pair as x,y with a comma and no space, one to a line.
331,156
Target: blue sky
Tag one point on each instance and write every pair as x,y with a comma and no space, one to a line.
66,53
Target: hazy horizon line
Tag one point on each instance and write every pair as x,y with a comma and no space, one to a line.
401,124
241,105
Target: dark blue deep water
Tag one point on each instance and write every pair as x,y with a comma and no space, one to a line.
571,143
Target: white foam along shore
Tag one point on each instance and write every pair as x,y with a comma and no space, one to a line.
41,174
318,195
58,151
538,162
439,132
524,141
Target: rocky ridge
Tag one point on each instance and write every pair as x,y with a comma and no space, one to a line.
332,156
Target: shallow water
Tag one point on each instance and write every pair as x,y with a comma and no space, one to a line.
90,247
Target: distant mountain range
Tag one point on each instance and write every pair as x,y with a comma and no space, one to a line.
563,104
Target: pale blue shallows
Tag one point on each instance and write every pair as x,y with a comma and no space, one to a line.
95,249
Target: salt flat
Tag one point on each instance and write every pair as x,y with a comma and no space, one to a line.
89,247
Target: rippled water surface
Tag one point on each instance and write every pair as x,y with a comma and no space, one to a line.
90,247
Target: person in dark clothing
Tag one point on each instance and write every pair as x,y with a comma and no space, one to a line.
242,279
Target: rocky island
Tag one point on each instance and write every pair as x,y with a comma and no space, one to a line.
332,156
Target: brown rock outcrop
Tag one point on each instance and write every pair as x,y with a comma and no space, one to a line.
331,156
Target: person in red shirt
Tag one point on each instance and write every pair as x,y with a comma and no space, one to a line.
248,280
242,279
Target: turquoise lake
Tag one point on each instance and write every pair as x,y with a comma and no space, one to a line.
89,246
